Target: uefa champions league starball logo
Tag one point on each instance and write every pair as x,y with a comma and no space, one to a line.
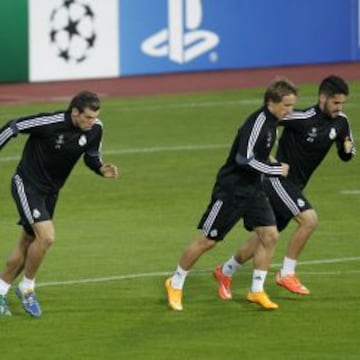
72,30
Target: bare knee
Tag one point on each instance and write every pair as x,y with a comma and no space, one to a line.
313,222
272,236
205,243
308,220
46,240
195,250
268,236
44,234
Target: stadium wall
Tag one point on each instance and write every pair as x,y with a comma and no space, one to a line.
49,40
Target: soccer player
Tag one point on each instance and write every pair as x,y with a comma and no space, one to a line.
56,142
306,139
238,193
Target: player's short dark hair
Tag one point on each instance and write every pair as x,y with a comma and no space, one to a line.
333,85
85,99
279,88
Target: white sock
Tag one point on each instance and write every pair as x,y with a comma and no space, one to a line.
4,287
258,279
288,266
178,279
230,266
26,284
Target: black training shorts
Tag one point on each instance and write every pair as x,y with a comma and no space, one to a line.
224,211
286,199
33,205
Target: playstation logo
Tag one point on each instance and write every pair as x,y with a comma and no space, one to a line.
182,41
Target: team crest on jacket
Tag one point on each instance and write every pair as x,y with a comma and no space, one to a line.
332,134
82,140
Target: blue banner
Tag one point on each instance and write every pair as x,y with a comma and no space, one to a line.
161,36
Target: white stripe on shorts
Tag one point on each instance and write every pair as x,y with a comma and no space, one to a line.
23,200
284,196
212,216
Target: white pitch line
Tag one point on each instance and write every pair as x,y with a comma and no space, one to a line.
185,105
166,149
166,273
327,261
350,192
136,107
146,150
102,279
327,273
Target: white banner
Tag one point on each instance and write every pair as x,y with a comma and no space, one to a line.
73,39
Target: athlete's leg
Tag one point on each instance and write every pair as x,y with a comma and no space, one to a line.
218,219
44,238
16,260
307,223
247,249
223,273
263,255
191,254
264,251
189,257
194,251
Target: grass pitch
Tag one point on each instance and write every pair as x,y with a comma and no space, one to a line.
101,285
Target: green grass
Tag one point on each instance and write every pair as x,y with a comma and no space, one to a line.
124,236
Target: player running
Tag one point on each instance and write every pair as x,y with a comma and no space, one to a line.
307,137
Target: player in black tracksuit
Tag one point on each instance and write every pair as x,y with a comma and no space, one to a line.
306,143
54,146
238,193
306,139
56,142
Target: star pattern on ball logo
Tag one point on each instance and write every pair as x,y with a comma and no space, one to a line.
72,31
